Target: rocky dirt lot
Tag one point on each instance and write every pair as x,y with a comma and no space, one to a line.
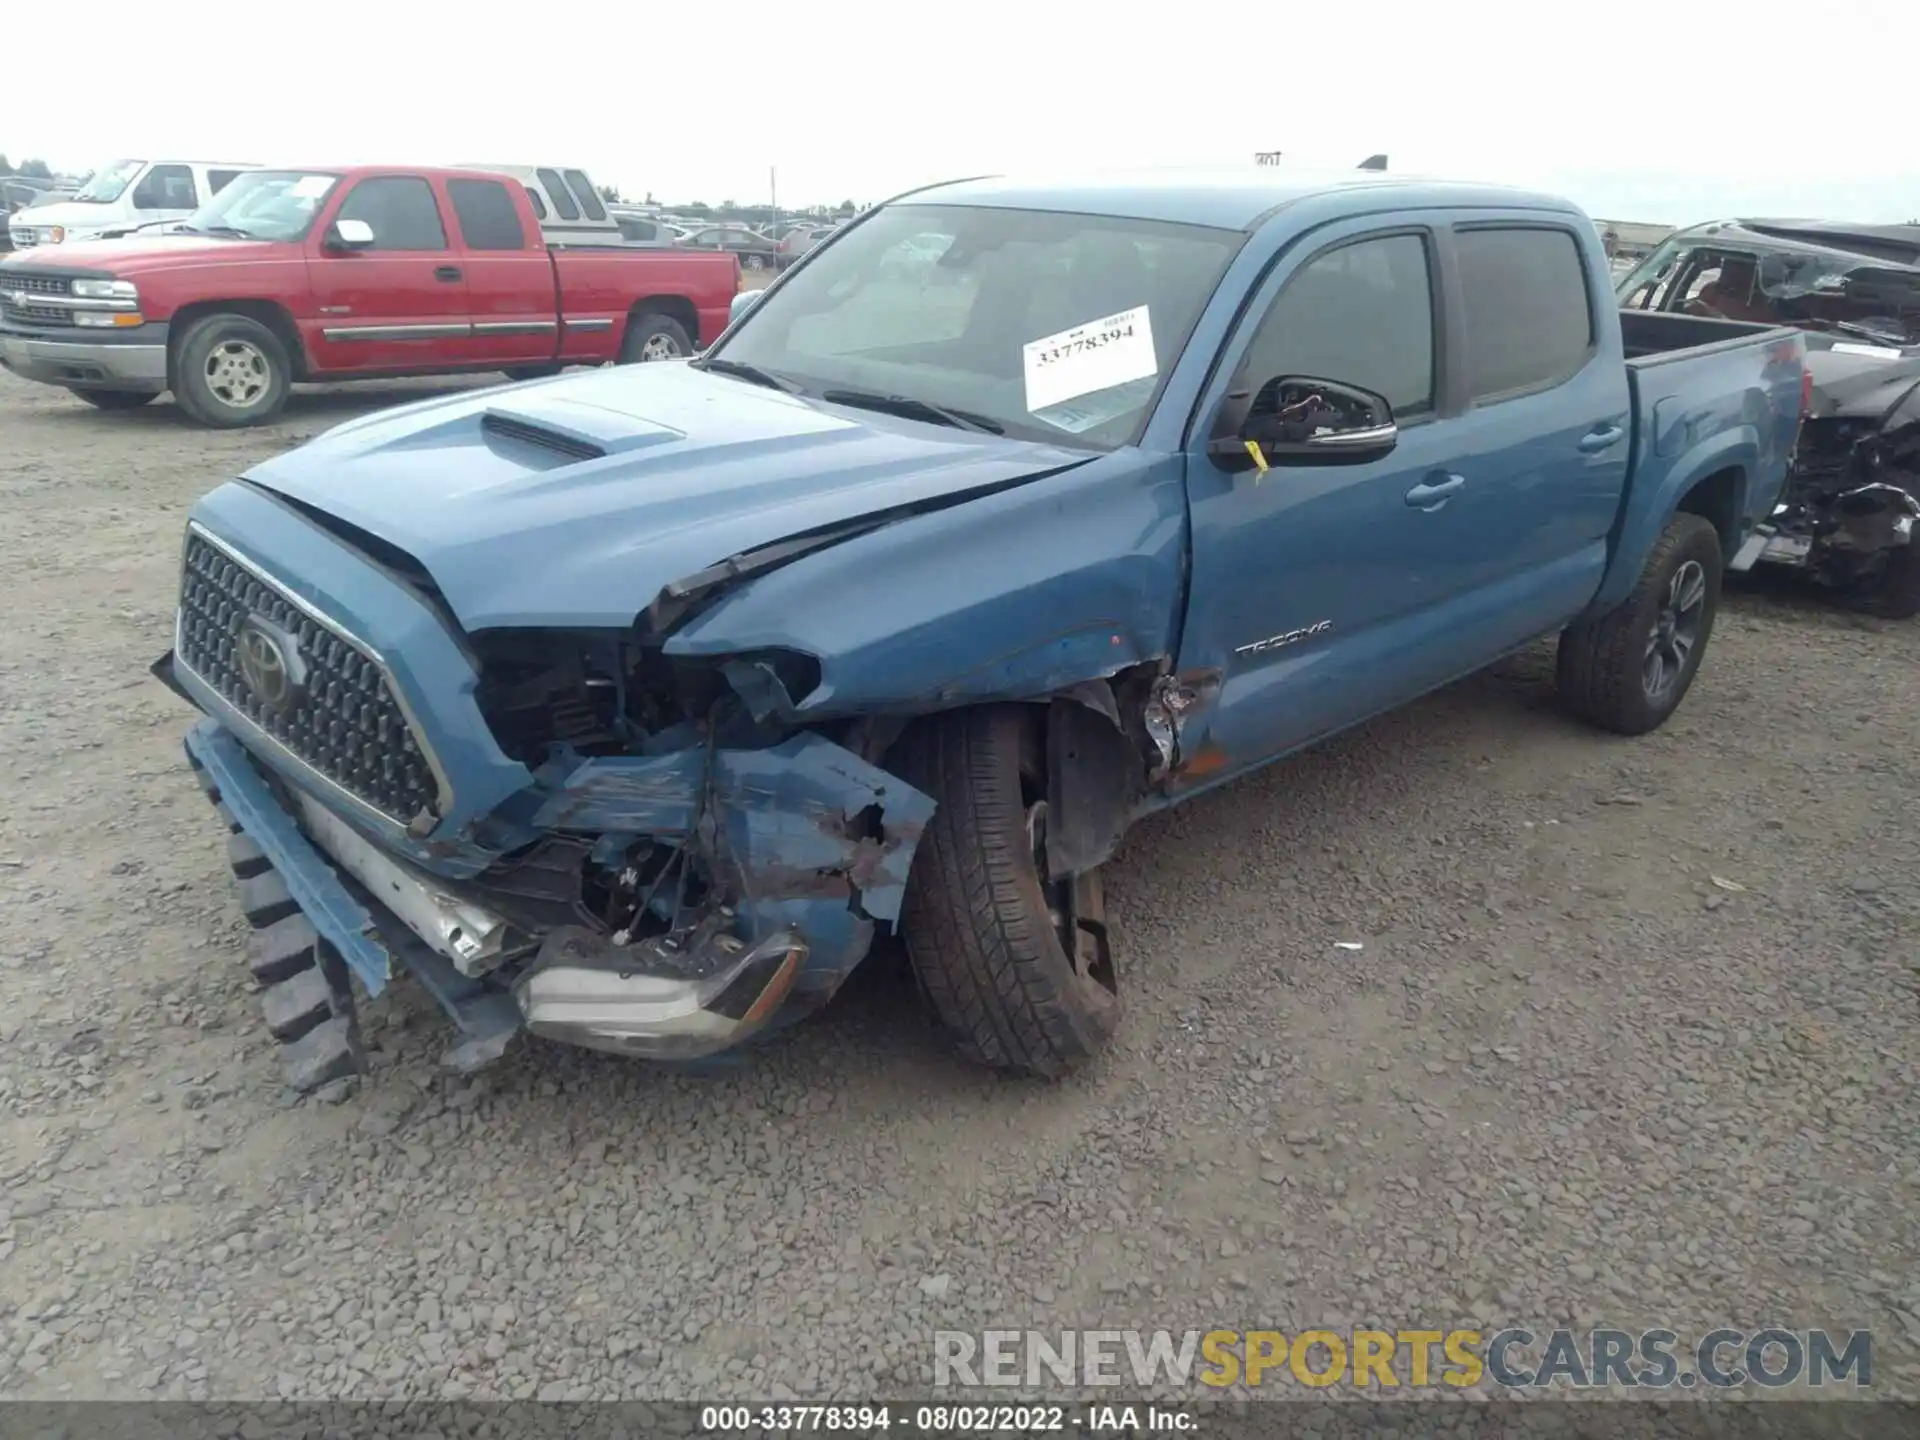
1570,1078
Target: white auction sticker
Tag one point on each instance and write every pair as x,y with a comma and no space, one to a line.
311,187
1094,356
1878,352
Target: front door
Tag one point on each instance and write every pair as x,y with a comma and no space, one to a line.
1309,579
400,304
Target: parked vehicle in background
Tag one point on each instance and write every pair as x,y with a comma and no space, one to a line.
755,251
629,707
355,273
799,239
565,201
1851,508
637,229
21,192
122,195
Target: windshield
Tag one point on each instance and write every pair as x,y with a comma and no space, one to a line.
265,205
1043,325
109,181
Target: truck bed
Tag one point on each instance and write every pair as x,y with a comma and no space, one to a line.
1653,337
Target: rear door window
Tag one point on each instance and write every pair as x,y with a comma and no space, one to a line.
488,220
1528,317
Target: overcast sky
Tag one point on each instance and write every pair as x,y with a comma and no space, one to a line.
1758,107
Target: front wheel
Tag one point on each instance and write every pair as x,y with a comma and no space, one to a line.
230,371
1016,964
1629,669
115,399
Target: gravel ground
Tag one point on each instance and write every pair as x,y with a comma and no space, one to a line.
1568,1079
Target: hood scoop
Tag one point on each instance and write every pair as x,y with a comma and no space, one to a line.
569,428
516,431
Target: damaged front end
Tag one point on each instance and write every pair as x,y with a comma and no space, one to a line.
685,870
1848,515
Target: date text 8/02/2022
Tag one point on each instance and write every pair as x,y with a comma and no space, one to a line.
1417,1358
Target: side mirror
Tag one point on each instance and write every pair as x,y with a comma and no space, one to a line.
349,235
742,303
1302,420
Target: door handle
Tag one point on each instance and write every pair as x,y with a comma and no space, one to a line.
446,272
1596,440
1431,497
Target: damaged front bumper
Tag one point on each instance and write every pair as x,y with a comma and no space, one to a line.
815,845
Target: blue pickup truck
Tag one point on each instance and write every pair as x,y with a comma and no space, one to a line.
627,708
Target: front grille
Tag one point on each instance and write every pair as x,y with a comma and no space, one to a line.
341,720
35,284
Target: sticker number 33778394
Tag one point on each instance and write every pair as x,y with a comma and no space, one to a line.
1094,356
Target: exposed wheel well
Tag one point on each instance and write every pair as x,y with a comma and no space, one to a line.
1719,500
674,307
269,314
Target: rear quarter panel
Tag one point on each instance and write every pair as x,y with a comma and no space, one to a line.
601,285
1713,432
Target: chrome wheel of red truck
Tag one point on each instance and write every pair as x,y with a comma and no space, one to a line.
229,371
1015,964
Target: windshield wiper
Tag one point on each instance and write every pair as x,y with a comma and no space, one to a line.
224,230
915,409
743,371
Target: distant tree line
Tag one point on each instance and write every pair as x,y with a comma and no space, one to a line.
728,210
32,169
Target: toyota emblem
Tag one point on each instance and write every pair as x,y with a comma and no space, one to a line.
262,654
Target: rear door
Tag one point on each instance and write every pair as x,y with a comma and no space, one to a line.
1545,419
400,304
509,276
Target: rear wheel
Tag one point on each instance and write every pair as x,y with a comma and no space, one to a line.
230,371
1015,963
1629,669
114,399
653,336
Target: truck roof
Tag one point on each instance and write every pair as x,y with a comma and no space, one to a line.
1238,198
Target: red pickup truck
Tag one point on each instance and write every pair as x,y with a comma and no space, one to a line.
344,274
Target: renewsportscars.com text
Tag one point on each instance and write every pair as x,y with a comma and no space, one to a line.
1510,1359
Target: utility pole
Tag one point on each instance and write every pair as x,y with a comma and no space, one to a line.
773,188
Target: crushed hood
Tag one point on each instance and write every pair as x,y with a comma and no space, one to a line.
1862,386
500,496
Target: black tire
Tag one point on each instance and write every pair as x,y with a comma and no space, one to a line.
1606,670
229,371
531,372
986,951
755,263
651,330
115,399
